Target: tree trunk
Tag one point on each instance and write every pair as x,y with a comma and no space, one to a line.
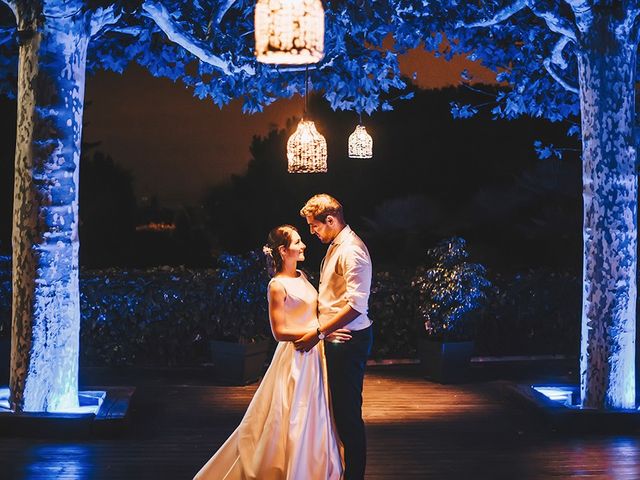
46,303
607,362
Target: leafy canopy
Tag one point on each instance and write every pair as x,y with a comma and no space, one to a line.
359,69
208,46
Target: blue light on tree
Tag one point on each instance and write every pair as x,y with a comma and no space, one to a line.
564,58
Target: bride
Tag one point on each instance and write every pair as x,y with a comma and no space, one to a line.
288,431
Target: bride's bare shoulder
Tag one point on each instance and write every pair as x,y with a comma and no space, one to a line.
276,289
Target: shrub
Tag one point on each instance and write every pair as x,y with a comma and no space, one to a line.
155,316
392,310
241,313
163,316
450,292
532,312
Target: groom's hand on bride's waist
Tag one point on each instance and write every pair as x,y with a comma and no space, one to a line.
310,339
341,335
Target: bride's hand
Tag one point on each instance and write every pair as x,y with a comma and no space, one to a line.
307,341
339,336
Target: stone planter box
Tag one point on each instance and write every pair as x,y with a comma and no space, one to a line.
239,363
445,362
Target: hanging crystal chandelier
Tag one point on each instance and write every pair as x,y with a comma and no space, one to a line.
360,143
289,32
307,150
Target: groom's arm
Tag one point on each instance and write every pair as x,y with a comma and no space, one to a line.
356,269
346,315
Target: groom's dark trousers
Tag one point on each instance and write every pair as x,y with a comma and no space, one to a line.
346,363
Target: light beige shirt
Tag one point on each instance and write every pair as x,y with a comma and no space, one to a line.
345,279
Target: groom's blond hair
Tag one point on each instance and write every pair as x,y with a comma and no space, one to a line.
320,206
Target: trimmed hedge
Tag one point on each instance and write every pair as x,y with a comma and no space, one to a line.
534,312
162,316
154,316
392,309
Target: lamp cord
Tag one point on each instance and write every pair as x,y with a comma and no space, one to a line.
306,86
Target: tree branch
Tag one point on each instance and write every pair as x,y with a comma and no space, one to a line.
127,30
12,5
498,17
223,10
554,21
634,35
326,63
557,58
583,12
7,35
557,53
104,17
570,87
631,23
162,18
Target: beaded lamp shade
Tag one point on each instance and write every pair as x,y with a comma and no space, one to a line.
307,150
289,32
360,143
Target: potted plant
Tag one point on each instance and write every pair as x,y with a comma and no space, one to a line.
240,335
449,294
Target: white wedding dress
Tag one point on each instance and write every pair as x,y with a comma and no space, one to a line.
288,431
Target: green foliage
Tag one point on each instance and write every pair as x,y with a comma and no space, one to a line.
355,73
392,310
166,315
450,291
534,312
155,316
241,299
523,42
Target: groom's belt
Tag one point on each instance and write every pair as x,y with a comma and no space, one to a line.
359,333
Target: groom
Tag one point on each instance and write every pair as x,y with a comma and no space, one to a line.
345,281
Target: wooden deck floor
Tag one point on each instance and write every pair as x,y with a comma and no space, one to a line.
415,429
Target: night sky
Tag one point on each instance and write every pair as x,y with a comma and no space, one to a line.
177,145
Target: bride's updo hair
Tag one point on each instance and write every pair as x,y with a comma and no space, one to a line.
278,237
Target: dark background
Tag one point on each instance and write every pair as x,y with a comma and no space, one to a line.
431,177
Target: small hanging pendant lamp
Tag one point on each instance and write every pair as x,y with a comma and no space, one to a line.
289,32
306,148
360,143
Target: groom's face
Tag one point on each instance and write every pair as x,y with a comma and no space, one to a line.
320,229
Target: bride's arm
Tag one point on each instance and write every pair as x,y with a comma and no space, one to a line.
281,333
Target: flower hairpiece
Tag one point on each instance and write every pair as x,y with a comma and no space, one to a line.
267,251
